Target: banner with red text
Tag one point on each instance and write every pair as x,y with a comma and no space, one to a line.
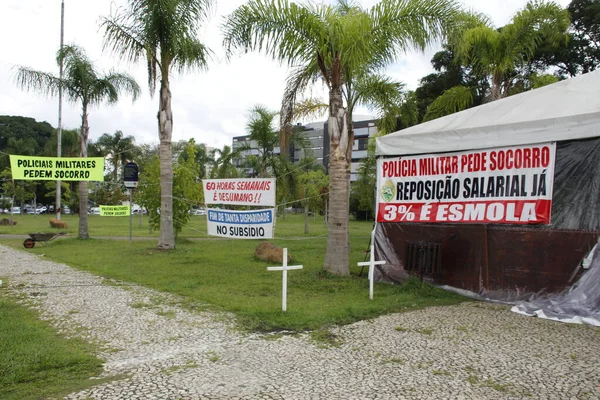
243,192
508,185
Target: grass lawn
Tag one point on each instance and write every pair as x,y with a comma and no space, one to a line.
99,226
292,225
35,362
224,273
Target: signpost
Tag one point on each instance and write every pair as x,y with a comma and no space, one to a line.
285,269
371,263
130,178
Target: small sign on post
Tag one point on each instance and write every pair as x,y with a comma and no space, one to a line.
130,175
285,269
130,179
371,263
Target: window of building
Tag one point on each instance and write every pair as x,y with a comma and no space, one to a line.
361,131
363,144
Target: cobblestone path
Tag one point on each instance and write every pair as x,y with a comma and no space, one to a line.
159,350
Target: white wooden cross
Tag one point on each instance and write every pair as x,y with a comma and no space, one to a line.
285,268
371,263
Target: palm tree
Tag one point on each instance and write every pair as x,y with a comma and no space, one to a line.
119,147
70,139
202,158
82,84
339,45
497,54
223,166
164,33
264,138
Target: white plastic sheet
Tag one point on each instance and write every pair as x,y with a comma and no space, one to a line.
580,304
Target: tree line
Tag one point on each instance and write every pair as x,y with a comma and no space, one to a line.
192,162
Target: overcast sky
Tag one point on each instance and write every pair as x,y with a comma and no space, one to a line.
210,106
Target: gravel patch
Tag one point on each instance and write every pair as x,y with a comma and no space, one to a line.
157,349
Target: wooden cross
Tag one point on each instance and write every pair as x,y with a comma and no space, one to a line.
371,263
285,268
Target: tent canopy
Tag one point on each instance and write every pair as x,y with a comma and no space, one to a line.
566,110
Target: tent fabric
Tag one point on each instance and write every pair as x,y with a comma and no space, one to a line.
579,304
566,110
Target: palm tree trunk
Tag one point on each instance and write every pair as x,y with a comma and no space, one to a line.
284,140
166,238
496,93
115,166
83,185
336,256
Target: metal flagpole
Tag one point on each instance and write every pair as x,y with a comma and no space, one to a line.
60,92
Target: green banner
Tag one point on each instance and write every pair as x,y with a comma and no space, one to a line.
54,168
114,211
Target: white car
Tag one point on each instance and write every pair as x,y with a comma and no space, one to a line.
94,211
16,210
200,211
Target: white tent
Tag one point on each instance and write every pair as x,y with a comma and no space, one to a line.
566,110
511,262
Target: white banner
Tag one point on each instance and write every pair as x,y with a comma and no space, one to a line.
257,224
507,185
242,192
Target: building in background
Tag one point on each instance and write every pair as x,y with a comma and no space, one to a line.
317,136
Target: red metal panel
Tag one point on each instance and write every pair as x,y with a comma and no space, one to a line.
502,262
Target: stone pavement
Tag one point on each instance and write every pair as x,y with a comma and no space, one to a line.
158,350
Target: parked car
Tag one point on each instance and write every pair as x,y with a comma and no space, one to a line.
200,211
66,210
41,210
16,210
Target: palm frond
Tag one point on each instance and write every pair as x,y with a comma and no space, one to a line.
72,57
452,100
164,32
123,39
260,127
310,108
378,91
384,95
99,91
191,54
538,20
482,47
124,83
401,25
465,20
297,82
37,81
285,31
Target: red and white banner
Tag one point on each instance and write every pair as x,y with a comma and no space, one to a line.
243,192
508,185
